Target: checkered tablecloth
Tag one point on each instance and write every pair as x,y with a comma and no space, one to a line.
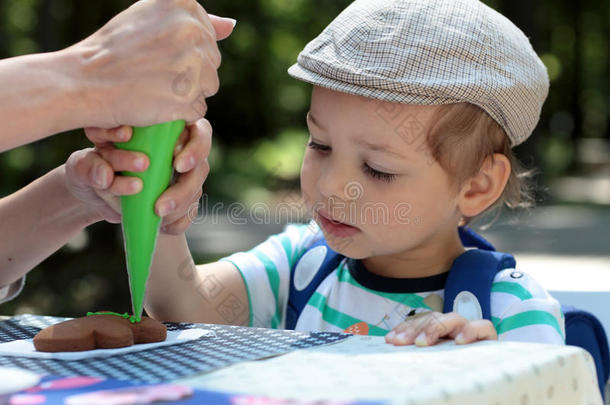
232,344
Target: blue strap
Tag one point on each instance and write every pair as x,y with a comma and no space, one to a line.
483,262
584,330
470,238
474,271
297,299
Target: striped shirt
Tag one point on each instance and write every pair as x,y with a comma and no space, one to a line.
352,299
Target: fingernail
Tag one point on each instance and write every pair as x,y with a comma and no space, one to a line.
167,207
178,148
421,339
185,164
139,163
233,21
100,176
123,133
134,185
400,338
459,339
390,335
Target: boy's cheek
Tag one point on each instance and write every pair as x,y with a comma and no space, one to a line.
308,177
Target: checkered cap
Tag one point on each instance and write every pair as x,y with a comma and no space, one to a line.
431,52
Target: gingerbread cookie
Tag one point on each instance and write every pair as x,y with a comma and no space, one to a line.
98,332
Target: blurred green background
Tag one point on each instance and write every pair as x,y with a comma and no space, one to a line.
258,119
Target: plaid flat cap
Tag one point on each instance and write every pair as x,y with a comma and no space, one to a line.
431,52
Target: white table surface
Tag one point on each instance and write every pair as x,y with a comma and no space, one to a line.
365,367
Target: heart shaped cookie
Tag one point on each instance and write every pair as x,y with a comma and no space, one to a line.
98,332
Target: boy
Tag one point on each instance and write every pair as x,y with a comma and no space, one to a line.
415,107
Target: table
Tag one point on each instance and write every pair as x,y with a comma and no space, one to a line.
231,344
344,368
365,367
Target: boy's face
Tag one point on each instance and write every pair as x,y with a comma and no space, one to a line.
369,167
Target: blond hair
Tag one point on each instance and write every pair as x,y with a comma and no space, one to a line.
462,137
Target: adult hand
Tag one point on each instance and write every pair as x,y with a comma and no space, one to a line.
426,329
154,62
91,178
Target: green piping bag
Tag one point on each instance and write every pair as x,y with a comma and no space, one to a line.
140,222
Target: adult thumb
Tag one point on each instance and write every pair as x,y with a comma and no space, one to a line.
222,25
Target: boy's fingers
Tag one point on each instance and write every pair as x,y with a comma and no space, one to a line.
474,331
92,170
176,200
406,332
184,209
125,185
101,135
95,172
402,338
196,149
121,160
178,227
427,329
110,208
446,325
412,323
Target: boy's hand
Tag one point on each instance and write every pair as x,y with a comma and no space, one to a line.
426,329
90,174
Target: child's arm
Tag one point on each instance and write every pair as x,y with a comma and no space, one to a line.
179,291
428,328
245,288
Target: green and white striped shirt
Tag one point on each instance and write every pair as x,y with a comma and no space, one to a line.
355,300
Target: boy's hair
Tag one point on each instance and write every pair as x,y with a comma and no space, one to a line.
460,140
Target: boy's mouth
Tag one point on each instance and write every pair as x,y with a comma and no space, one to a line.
334,227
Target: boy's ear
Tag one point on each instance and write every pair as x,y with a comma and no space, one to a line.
480,191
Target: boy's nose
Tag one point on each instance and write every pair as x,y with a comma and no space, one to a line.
332,183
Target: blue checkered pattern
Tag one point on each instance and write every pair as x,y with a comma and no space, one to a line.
163,364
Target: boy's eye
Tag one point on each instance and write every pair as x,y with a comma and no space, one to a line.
387,177
379,175
316,146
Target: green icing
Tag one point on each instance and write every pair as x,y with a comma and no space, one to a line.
132,318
